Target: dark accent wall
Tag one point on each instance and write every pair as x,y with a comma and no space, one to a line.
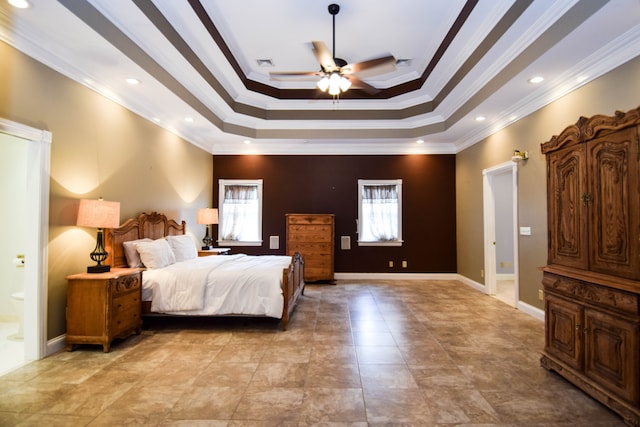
329,184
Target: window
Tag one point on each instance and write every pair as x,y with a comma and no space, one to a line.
240,212
380,212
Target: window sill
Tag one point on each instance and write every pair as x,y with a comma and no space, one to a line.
394,243
238,243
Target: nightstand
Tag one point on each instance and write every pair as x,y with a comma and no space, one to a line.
214,251
103,306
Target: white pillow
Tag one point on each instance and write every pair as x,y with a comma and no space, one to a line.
131,253
183,247
156,254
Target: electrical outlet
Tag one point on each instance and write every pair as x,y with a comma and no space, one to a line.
390,264
481,273
540,294
404,264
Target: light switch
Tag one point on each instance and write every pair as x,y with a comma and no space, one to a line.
525,231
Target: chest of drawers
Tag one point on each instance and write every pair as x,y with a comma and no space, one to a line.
312,235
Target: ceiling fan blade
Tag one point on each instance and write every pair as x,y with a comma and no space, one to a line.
324,56
356,83
296,75
382,65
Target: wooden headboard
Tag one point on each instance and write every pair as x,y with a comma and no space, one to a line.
153,225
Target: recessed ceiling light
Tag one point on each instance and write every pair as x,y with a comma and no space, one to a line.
132,81
403,62
536,79
246,141
420,141
513,117
188,119
20,4
157,120
581,79
480,118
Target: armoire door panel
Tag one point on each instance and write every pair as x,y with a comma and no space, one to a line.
613,181
567,183
611,353
564,328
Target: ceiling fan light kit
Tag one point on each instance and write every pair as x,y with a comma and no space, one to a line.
334,84
334,71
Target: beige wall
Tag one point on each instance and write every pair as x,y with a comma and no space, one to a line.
99,149
617,90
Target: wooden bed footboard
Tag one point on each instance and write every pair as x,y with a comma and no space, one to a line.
292,286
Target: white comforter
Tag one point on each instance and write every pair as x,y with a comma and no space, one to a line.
225,284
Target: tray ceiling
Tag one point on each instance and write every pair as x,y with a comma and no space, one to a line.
210,61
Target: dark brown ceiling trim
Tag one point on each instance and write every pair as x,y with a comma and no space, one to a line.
280,93
88,14
417,84
165,27
514,12
573,18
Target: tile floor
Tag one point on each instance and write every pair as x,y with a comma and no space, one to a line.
410,353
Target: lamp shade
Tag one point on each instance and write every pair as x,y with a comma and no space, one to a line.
207,216
98,213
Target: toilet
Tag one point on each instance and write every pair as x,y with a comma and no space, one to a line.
18,303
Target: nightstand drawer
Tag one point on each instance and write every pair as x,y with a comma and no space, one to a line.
125,284
126,303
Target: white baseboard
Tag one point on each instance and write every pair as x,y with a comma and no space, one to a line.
522,306
55,345
531,310
472,283
506,276
395,276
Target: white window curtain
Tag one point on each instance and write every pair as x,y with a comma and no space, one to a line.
241,213
379,213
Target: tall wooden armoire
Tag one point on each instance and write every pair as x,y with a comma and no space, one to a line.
592,280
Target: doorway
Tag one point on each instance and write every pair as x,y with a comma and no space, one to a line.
500,197
33,180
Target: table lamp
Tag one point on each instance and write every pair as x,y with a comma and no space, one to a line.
99,214
207,216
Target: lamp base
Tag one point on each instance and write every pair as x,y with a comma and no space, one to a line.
98,269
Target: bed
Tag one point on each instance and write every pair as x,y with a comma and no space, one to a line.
225,285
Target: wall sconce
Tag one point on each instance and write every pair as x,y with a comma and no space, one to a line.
519,156
207,216
99,214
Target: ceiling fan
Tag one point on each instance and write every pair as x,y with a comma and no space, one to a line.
336,75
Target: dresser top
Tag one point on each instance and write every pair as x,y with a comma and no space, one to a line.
113,274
